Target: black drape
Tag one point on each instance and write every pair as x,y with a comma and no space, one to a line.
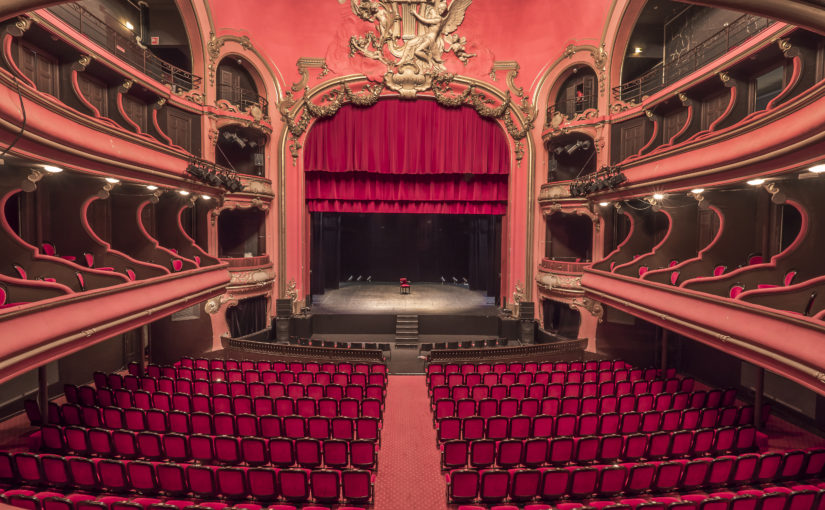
247,317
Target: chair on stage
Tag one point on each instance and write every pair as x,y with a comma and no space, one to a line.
405,286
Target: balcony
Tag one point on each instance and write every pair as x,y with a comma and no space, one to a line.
674,69
562,266
108,37
246,100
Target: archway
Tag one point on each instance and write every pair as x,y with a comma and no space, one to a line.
434,178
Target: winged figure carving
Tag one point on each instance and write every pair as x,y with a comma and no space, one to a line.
411,58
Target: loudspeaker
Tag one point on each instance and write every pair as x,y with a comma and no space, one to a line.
527,331
283,308
281,329
526,310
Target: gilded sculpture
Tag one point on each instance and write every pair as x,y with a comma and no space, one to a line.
413,54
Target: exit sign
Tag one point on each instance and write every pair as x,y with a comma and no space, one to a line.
155,40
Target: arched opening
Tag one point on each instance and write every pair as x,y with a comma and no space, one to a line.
248,316
241,149
560,319
578,93
570,156
241,233
237,85
569,238
416,191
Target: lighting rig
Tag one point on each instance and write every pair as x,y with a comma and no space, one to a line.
608,177
214,175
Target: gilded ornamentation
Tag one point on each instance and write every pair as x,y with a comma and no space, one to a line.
512,68
553,191
82,63
214,46
160,102
29,184
256,277
21,25
620,106
648,114
413,57
259,188
560,282
518,293
213,305
594,308
725,77
291,290
125,86
304,65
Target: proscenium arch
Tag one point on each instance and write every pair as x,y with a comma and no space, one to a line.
357,80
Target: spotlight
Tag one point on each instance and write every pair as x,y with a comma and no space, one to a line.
112,180
52,169
151,187
817,169
213,178
604,204
196,170
128,24
183,192
637,50
756,182
658,196
697,191
206,197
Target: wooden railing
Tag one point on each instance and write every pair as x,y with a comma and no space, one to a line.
300,351
241,262
523,351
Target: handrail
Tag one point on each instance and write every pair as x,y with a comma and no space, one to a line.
574,106
678,66
106,36
567,267
301,351
237,262
564,346
243,98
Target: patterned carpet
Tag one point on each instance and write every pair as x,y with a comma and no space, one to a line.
409,464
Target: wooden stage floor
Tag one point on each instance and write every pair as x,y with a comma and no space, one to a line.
386,298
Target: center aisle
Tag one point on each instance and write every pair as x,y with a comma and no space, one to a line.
409,464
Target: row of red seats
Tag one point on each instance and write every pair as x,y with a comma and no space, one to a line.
239,404
581,482
557,390
52,500
559,451
239,386
795,497
147,382
569,405
277,366
244,425
525,427
531,366
186,480
229,450
527,378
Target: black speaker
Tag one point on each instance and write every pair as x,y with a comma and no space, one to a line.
526,310
527,332
281,329
283,308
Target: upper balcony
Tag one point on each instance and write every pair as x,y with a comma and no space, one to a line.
113,37
737,267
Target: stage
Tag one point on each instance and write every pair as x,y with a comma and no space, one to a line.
386,298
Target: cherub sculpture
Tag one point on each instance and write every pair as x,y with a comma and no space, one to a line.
425,50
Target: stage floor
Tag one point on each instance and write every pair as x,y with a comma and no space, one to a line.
386,298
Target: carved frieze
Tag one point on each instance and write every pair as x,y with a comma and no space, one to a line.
255,277
550,281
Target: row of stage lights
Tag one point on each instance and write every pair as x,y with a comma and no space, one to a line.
111,180
657,198
606,178
214,175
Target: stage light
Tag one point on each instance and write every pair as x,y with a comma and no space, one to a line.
756,182
183,192
637,50
151,187
206,197
111,180
604,204
213,178
817,169
128,24
696,191
196,170
658,196
558,150
52,169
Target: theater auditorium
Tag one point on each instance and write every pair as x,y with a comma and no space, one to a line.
412,254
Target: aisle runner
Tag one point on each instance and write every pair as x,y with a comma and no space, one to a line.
409,463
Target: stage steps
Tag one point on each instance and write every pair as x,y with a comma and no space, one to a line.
406,328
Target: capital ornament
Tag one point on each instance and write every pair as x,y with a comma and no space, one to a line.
411,38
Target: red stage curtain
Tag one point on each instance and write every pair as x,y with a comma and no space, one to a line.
407,157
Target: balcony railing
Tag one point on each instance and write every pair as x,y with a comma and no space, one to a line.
673,69
572,107
243,98
564,266
246,262
127,49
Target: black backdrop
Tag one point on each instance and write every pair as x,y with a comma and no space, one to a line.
421,247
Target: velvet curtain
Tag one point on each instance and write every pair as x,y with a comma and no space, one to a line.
407,157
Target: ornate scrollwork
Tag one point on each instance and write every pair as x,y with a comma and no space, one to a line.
518,293
82,63
592,307
291,290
